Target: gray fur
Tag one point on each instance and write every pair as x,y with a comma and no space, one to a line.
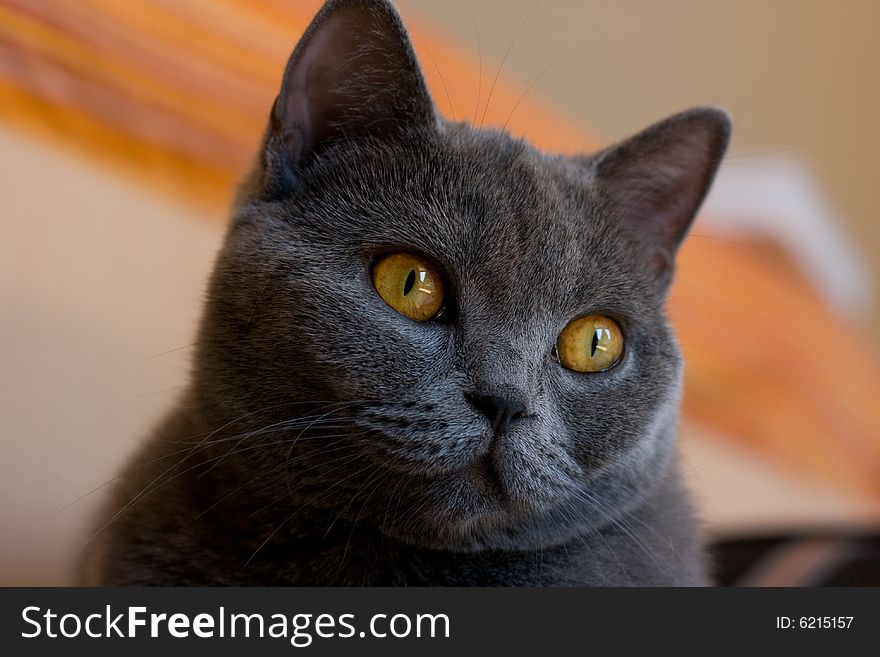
327,439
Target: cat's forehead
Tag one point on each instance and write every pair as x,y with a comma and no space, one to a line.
499,212
473,197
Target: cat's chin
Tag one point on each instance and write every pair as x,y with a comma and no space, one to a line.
477,509
461,532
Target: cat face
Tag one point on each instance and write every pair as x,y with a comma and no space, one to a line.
465,426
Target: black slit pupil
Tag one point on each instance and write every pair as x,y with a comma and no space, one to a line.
595,343
410,281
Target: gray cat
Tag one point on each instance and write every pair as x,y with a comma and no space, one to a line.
430,354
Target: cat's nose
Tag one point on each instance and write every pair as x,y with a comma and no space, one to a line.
501,411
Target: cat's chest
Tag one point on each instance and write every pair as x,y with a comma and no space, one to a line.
364,561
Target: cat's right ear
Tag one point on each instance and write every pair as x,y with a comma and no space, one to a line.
655,181
352,75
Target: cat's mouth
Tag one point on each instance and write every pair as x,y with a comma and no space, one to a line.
502,487
487,478
480,506
470,487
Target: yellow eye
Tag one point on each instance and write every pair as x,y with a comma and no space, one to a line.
590,344
410,285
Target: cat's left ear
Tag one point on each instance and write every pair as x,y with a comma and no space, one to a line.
656,180
352,75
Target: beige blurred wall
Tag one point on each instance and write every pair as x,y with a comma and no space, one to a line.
799,76
101,285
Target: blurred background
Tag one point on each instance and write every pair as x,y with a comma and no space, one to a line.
124,126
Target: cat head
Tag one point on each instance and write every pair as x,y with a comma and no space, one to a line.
441,330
